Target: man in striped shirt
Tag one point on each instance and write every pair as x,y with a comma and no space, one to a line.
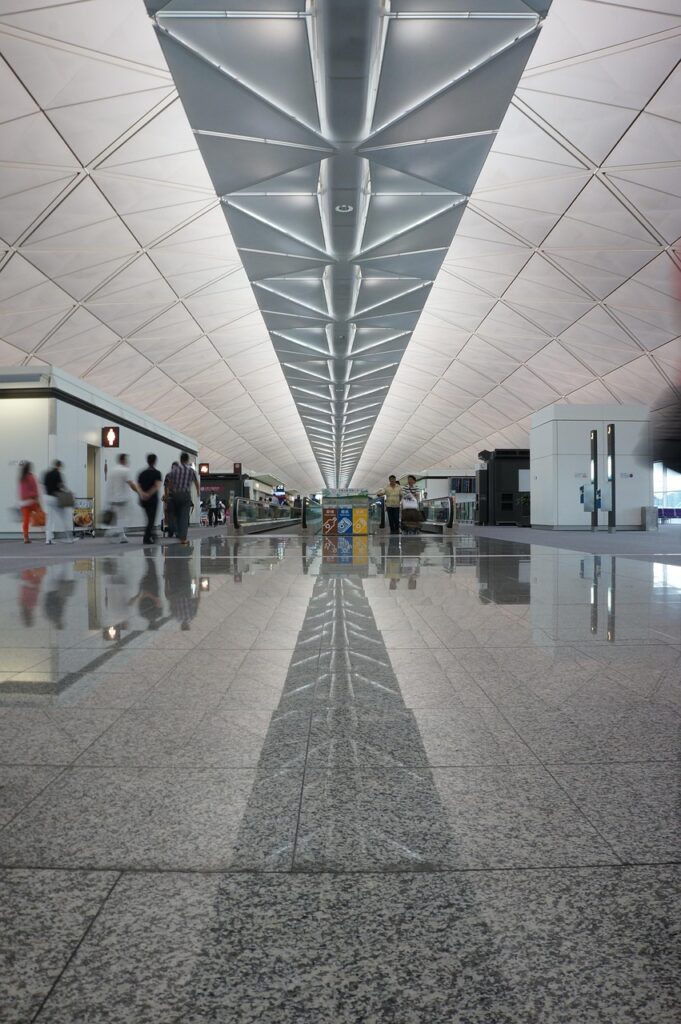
182,478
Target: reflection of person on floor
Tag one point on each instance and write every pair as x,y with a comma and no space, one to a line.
393,563
29,592
60,587
181,589
148,597
116,591
404,559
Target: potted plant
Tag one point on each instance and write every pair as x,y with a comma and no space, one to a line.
523,509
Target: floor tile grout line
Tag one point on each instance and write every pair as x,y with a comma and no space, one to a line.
24,807
132,870
536,762
76,948
303,776
579,810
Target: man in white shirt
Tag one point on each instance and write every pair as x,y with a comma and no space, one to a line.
118,483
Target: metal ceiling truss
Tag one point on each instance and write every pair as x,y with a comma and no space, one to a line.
344,138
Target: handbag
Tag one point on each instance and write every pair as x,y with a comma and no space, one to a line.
107,516
65,499
38,517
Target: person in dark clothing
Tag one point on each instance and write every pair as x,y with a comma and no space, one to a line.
168,518
182,479
149,482
58,516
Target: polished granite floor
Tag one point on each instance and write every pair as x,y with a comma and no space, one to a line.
399,781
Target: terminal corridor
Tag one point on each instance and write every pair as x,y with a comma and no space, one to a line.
410,780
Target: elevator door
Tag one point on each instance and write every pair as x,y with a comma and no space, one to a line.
93,475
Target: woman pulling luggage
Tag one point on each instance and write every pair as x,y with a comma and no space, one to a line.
411,513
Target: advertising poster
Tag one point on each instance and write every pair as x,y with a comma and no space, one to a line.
84,514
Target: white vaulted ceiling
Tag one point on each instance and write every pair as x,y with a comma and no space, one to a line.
115,260
561,282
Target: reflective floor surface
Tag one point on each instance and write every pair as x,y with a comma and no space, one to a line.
400,781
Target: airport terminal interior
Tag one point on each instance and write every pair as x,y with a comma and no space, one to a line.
340,511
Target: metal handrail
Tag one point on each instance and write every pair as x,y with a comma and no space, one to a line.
272,514
449,502
380,504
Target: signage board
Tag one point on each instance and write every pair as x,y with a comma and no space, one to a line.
346,492
329,521
204,468
237,469
360,521
344,521
111,437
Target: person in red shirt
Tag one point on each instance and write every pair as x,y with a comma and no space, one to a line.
29,497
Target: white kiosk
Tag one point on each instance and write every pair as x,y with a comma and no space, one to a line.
560,465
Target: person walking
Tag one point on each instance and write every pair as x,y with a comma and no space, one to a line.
393,496
212,509
182,479
149,483
117,496
411,513
59,515
29,498
168,522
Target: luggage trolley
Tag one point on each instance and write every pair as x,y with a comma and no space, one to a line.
84,516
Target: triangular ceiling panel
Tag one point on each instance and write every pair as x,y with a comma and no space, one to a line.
475,103
270,56
454,47
451,164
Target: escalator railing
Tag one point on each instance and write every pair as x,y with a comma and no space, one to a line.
312,515
376,515
255,516
438,512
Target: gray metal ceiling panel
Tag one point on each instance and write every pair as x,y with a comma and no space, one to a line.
342,232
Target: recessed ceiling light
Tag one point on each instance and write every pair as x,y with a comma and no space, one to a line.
344,208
